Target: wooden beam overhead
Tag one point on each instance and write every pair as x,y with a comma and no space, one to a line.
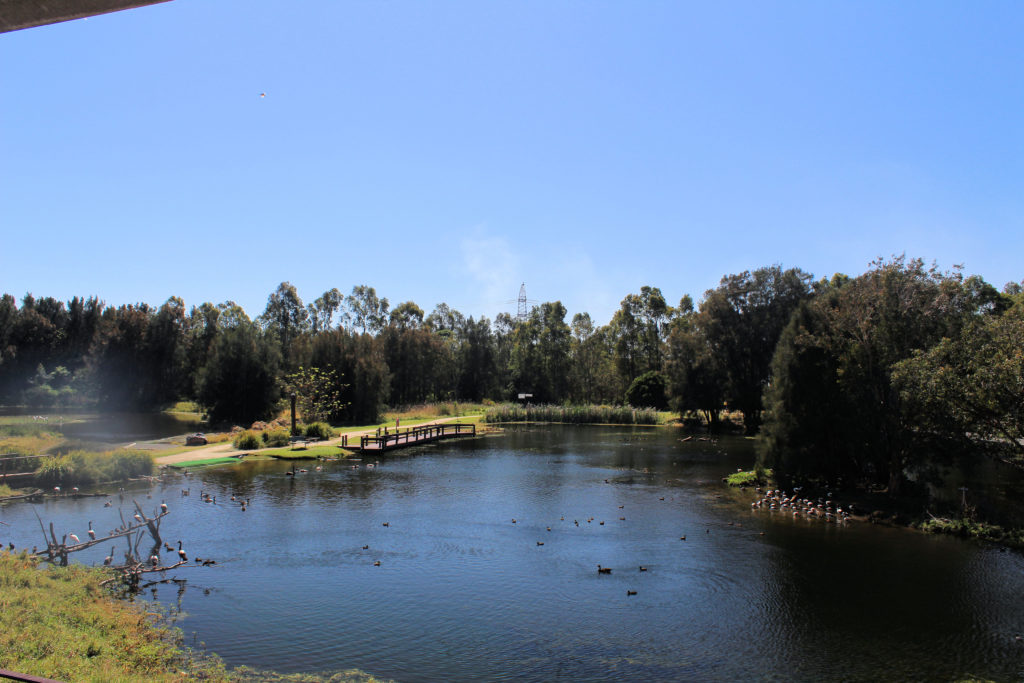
19,14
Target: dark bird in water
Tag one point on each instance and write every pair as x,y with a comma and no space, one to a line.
682,538
642,568
540,542
629,592
366,547
377,563
181,553
387,524
604,570
167,547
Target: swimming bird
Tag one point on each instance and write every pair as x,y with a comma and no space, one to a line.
377,563
629,592
366,547
643,568
540,542
107,504
604,570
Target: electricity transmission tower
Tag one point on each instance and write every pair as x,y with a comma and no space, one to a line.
521,314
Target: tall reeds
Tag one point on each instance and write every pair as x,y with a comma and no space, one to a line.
572,414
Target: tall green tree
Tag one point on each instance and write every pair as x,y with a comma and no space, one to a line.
367,311
240,380
285,316
741,321
834,408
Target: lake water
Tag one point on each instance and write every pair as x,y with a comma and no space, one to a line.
463,593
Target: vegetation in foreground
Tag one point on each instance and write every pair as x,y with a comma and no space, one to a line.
58,622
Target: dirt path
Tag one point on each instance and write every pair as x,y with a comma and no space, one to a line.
226,450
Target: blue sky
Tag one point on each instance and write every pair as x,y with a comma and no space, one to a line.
449,151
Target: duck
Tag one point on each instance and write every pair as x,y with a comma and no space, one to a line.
629,592
604,570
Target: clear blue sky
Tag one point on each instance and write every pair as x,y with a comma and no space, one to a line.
448,151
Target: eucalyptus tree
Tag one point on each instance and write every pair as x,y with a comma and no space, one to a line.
695,377
285,316
540,351
321,311
366,310
406,315
639,327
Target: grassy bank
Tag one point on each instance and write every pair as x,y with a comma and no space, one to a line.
59,623
85,468
579,414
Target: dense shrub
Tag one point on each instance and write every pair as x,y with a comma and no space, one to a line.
319,430
247,441
275,438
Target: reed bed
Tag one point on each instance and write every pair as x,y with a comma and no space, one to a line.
572,414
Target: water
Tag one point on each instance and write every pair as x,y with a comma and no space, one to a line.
462,593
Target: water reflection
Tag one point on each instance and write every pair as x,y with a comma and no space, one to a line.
461,592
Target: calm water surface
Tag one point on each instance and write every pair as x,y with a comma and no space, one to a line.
464,593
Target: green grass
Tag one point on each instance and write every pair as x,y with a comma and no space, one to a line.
6,491
202,463
749,478
59,623
967,528
310,453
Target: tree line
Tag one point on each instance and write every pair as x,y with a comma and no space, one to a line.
847,378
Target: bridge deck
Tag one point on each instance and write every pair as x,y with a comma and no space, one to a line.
413,436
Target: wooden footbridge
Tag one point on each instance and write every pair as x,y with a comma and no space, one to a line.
412,436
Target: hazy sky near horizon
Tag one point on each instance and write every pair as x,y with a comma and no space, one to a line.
450,151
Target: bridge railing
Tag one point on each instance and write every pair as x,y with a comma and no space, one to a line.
413,435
